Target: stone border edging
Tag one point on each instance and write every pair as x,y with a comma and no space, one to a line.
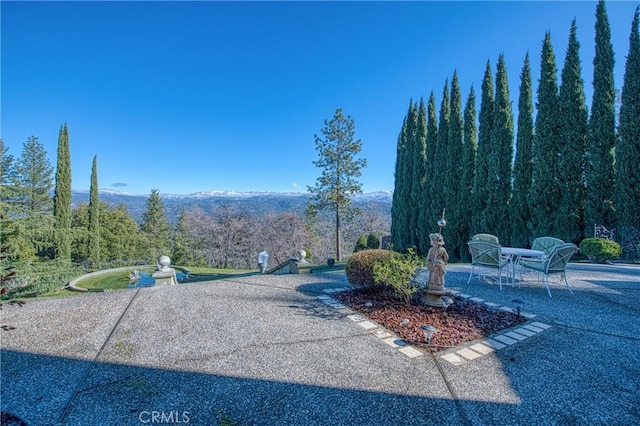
459,356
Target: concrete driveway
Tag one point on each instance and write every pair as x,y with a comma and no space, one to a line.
277,350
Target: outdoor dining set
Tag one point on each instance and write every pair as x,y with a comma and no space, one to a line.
547,256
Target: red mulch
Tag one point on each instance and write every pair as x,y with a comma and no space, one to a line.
463,321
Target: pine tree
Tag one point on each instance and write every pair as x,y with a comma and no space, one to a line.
628,143
94,216
519,205
453,171
601,141
7,176
155,226
468,171
496,214
62,197
545,191
32,180
337,152
480,188
573,144
427,212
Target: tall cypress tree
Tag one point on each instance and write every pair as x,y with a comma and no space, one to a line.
440,159
399,216
414,174
500,155
468,171
94,216
545,191
419,173
453,171
480,188
628,143
599,170
62,197
573,144
427,213
519,205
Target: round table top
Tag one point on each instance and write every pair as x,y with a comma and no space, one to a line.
523,252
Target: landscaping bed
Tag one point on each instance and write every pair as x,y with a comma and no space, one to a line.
464,321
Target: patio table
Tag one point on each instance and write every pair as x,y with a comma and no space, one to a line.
514,254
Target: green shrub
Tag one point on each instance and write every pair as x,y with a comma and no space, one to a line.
373,242
600,249
397,273
359,267
361,244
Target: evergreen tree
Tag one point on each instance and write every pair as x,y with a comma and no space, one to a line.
573,144
438,199
452,174
62,197
496,214
94,216
418,173
480,188
185,247
413,172
427,212
468,171
628,143
7,176
399,214
337,152
33,179
373,242
545,191
519,205
601,141
120,237
155,226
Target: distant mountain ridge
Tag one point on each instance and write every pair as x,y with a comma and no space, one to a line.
214,201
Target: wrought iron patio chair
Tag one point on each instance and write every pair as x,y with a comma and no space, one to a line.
554,263
546,244
485,237
486,255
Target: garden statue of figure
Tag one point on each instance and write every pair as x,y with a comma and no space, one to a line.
437,259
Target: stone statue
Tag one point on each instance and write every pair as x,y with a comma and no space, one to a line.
437,259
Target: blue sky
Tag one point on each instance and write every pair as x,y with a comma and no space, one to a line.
197,96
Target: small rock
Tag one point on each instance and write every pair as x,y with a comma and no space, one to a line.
368,304
404,322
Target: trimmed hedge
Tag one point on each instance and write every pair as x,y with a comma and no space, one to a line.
359,267
600,249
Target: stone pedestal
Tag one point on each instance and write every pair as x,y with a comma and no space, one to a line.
300,267
165,277
438,298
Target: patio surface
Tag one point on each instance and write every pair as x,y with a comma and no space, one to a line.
277,350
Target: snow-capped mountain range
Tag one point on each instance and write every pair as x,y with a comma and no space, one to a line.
211,201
